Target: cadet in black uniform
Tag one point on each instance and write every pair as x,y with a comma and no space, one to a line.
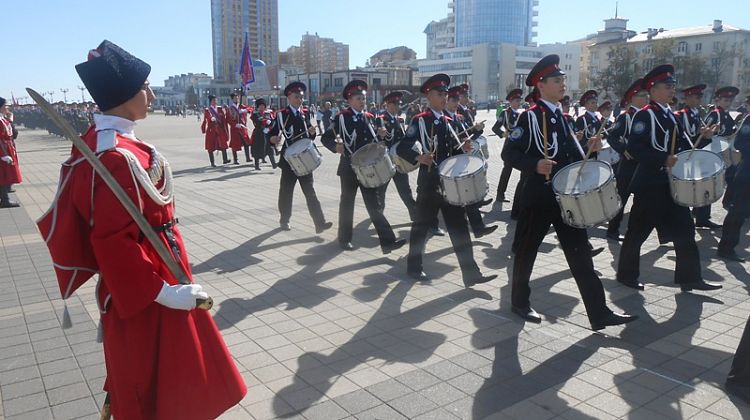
504,124
430,129
725,127
467,131
291,122
393,124
475,130
652,201
540,144
355,128
634,99
737,198
589,122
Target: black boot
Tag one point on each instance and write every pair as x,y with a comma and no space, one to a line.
5,202
257,164
273,160
211,159
247,154
234,156
224,156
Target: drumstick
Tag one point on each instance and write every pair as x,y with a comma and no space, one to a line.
546,144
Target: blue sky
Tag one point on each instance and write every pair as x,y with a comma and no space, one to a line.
44,39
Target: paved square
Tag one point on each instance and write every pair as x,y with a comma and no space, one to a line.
319,333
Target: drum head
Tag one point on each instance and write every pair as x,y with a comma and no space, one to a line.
368,154
701,164
298,146
571,180
460,165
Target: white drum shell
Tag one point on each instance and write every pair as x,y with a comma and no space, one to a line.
402,165
608,154
724,148
303,157
590,199
463,180
372,165
699,180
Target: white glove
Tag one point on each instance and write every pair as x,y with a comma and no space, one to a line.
243,111
213,119
7,159
180,296
238,126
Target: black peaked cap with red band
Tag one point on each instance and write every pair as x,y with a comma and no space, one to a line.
548,66
440,81
354,87
394,97
727,92
660,74
589,94
295,87
514,94
694,90
455,92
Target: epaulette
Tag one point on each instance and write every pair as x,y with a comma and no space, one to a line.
423,114
368,115
447,118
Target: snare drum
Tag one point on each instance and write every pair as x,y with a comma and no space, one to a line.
372,165
463,179
483,146
402,165
587,193
722,147
608,154
697,179
303,157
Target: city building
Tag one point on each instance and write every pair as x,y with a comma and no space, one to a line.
441,35
494,21
492,69
715,54
316,54
230,21
389,55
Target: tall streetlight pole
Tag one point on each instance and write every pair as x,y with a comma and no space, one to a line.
51,94
82,89
65,94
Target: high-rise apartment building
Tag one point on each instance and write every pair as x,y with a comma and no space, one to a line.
230,20
315,54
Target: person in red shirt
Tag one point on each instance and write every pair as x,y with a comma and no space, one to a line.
214,126
10,170
165,359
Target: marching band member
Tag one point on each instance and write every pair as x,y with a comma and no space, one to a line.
540,144
354,126
214,126
393,124
589,122
467,131
655,137
506,120
164,358
634,99
262,119
293,123
430,128
737,197
239,138
725,126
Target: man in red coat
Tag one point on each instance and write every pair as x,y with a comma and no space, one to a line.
214,126
10,170
239,138
165,359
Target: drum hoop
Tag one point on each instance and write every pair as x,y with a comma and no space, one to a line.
609,179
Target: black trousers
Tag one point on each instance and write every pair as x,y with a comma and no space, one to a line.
740,371
4,190
702,214
502,185
475,217
575,246
738,209
516,207
286,195
371,197
404,191
429,202
651,209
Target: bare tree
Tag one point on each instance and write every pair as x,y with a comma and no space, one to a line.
723,58
619,73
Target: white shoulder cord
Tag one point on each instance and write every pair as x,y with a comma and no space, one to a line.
659,147
161,196
538,138
288,134
427,142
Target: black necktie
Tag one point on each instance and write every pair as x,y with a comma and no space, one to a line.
559,116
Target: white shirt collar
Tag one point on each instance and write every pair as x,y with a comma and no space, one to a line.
665,108
450,114
552,107
592,114
635,107
356,113
295,111
694,110
437,114
107,128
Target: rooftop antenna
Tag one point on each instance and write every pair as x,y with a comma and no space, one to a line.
616,9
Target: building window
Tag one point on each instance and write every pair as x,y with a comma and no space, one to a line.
338,82
682,47
715,62
716,45
698,46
